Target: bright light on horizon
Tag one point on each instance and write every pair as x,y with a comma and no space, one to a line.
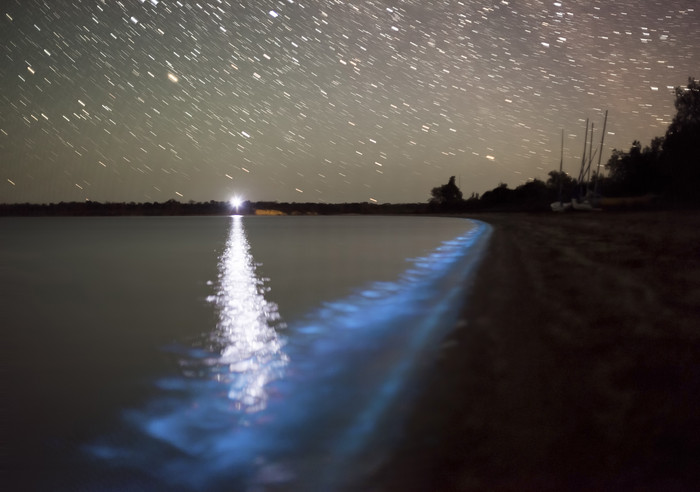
236,202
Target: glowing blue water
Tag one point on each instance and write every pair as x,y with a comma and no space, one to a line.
315,409
131,372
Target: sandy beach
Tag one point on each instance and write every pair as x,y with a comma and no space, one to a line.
575,366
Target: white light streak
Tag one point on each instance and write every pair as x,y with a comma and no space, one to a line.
252,349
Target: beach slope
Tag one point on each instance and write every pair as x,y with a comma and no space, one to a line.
575,366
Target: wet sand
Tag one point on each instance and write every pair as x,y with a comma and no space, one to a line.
576,365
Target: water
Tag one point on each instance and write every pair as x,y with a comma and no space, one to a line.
220,353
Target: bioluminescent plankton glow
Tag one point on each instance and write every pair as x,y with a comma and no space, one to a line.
309,406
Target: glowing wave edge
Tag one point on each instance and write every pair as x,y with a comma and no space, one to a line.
315,409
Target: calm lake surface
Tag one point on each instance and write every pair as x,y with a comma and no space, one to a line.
219,353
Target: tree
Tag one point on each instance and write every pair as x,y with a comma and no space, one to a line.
687,103
560,181
637,171
446,195
681,149
532,195
500,196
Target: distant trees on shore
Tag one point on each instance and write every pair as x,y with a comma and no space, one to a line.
173,207
90,208
669,165
448,194
535,195
669,168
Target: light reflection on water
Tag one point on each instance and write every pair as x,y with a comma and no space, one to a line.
197,433
312,410
247,328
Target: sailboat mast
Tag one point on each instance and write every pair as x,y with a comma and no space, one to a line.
602,140
561,167
583,157
600,151
561,158
590,157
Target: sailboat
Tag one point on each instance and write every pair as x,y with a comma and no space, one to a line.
586,197
560,205
581,201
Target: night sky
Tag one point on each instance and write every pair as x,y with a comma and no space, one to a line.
335,101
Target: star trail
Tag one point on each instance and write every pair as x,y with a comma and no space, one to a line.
331,101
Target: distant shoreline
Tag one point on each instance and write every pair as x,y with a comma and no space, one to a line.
175,208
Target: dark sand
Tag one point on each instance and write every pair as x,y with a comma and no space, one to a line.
576,365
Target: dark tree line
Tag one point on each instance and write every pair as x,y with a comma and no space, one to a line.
535,195
446,195
91,208
173,207
670,165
